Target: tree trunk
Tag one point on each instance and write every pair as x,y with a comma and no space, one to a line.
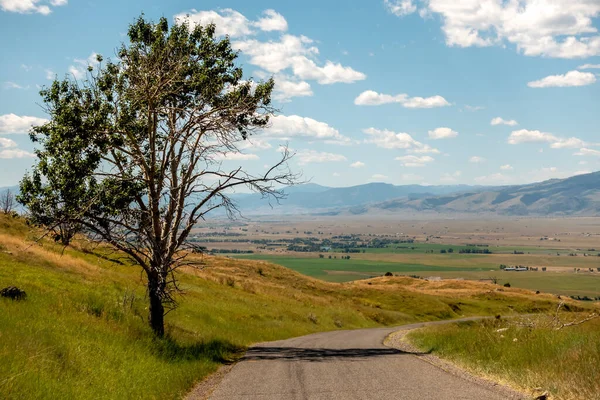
156,314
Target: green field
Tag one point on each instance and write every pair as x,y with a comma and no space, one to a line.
465,266
339,270
412,248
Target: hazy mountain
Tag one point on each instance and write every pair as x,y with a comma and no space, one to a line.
578,195
312,197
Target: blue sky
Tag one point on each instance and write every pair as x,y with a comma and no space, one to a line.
399,91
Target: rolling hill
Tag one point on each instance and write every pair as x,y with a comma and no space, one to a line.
577,196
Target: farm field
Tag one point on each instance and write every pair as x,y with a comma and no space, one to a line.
567,249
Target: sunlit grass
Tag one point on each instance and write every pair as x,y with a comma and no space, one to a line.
82,332
564,362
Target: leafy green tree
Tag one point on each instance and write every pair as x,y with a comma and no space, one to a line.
132,155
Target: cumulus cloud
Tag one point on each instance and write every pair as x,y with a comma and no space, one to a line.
589,66
502,121
415,161
506,167
476,159
372,98
587,152
535,136
312,156
357,164
294,126
81,66
296,54
233,23
8,150
272,21
442,133
12,123
570,79
391,140
30,6
400,7
553,28
286,88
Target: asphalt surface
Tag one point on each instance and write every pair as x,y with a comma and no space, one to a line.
343,365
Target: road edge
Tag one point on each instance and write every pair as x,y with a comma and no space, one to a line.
397,340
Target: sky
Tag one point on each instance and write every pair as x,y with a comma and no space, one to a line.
434,92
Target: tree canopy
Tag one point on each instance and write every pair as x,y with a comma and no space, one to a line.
132,155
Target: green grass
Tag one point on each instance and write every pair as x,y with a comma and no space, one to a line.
82,334
350,269
564,363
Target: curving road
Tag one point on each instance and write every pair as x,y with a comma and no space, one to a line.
344,365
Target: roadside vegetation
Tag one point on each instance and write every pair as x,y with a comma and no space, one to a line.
531,355
82,332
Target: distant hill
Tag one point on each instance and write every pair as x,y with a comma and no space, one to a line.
311,197
575,196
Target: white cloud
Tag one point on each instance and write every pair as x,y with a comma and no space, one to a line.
80,69
11,123
442,133
30,6
357,164
336,174
502,121
312,156
391,140
50,75
553,28
234,156
587,152
297,54
527,136
415,161
15,153
227,21
506,167
272,21
372,98
570,79
379,177
233,23
589,66
26,67
294,126
13,85
400,7
450,177
286,88
6,143
476,159
254,144
474,108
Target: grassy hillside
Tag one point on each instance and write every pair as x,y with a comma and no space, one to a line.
563,362
82,333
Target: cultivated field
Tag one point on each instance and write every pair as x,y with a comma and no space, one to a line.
567,248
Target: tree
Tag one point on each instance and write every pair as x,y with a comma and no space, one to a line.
7,201
133,153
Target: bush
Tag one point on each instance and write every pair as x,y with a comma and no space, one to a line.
507,284
389,274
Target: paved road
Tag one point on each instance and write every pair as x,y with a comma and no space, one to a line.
343,365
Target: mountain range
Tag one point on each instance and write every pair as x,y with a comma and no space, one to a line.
575,196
